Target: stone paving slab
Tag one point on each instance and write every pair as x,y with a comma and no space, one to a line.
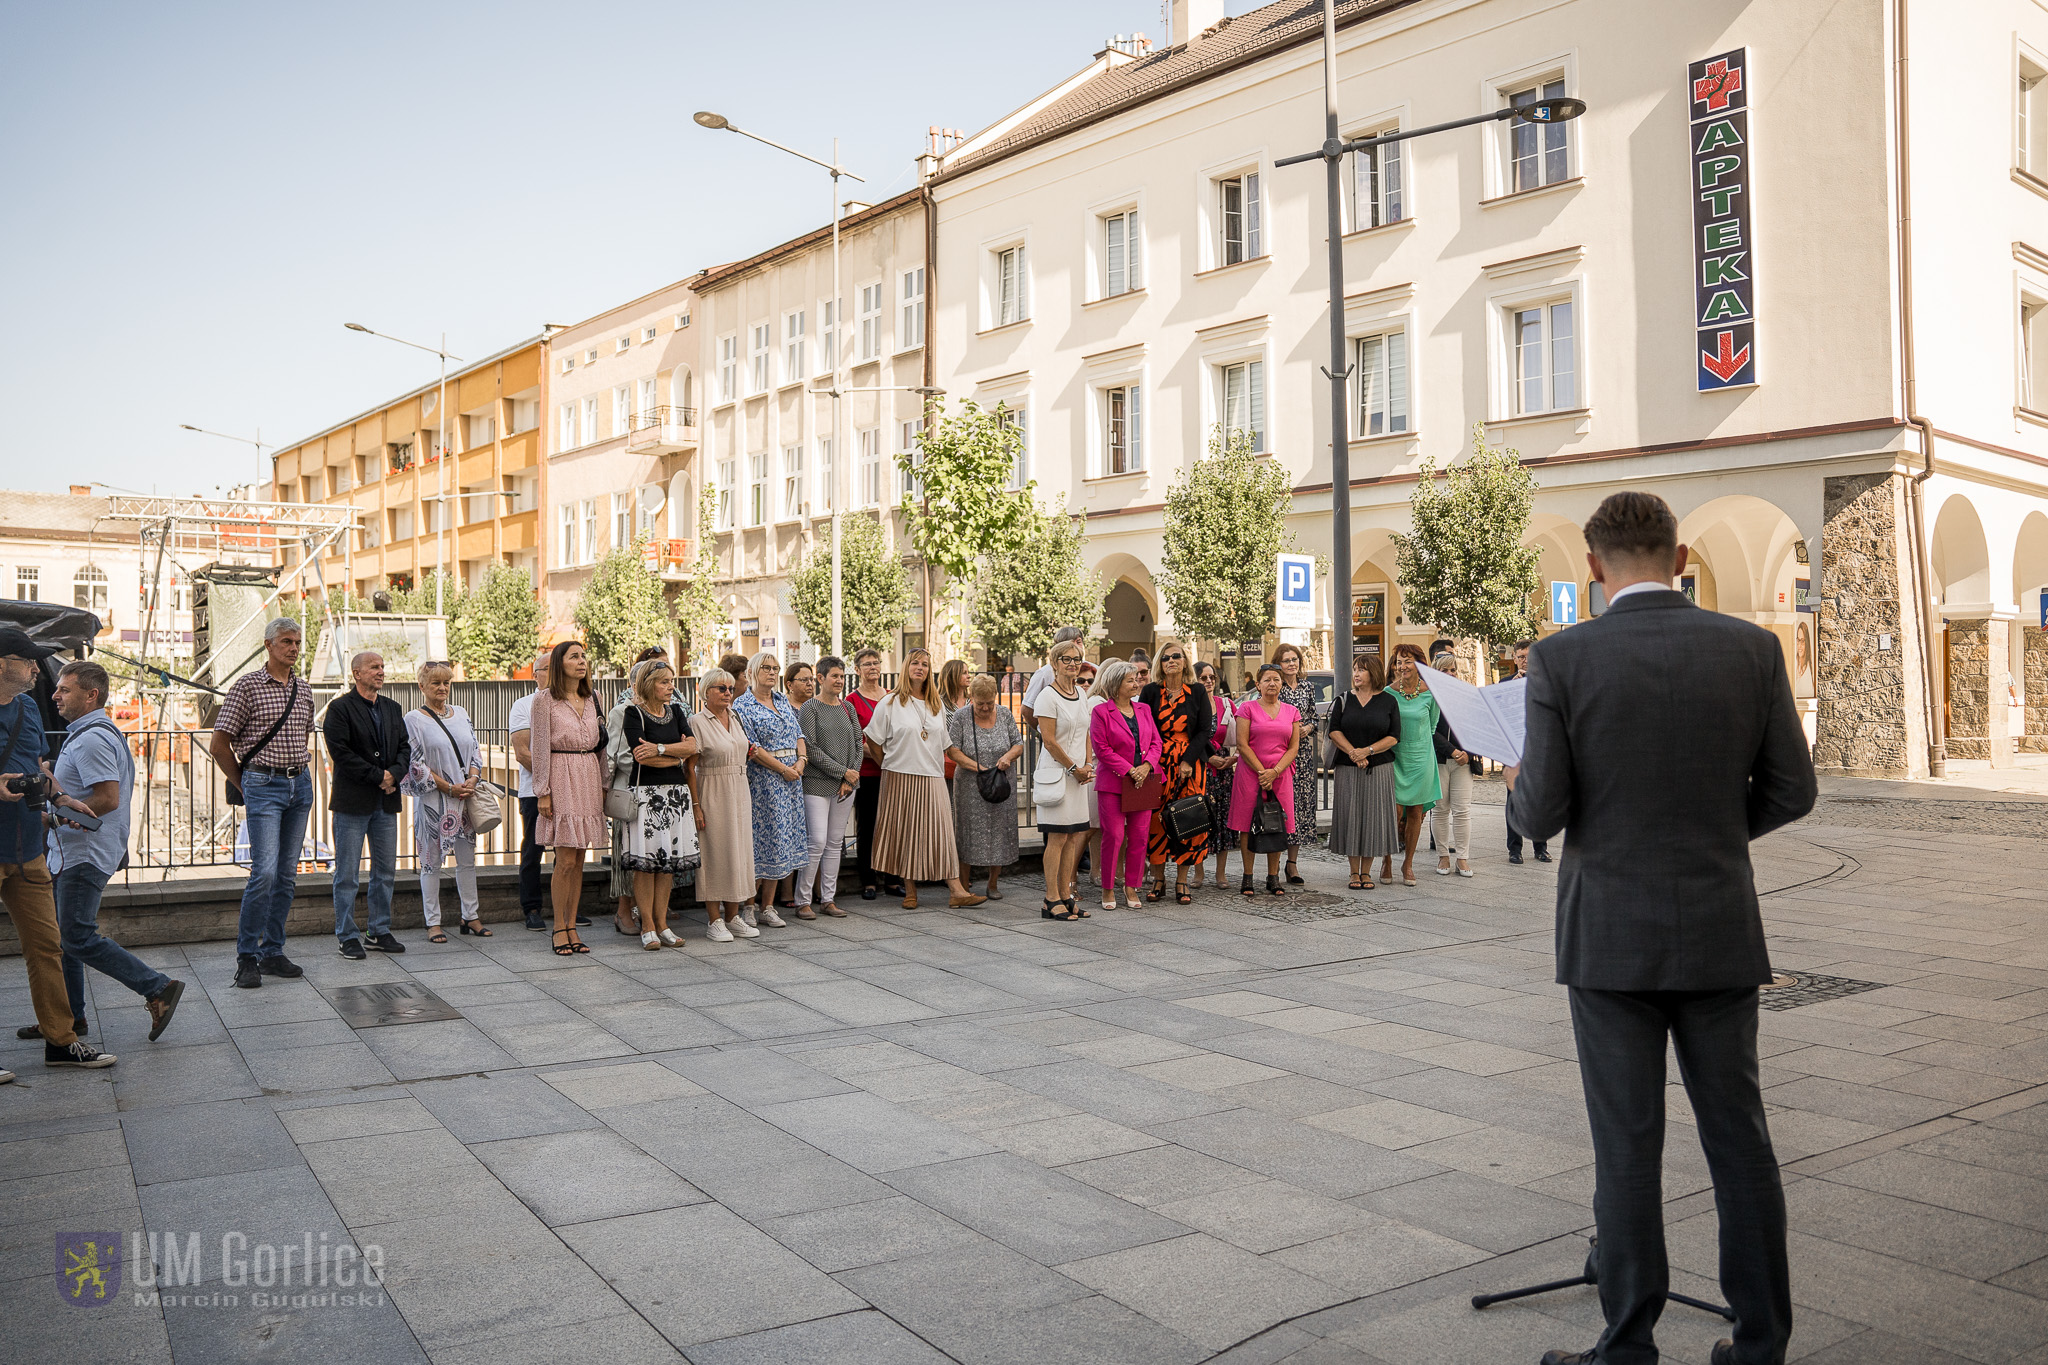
1175,1133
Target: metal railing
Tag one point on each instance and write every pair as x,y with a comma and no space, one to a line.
664,416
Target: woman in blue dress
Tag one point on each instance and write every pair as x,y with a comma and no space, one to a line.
775,769
1416,786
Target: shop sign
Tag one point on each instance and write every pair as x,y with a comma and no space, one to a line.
1724,284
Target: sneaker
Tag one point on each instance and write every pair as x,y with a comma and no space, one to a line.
247,975
747,916
387,943
80,1054
28,1031
5,1077
742,929
162,1006
534,921
582,920
669,939
771,919
277,964
718,933
352,949
650,940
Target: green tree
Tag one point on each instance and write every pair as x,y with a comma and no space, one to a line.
874,591
1039,587
1225,527
312,619
419,600
621,610
695,607
1464,569
496,629
964,510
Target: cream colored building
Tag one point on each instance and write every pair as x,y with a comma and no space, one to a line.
64,549
622,434
1122,260
770,328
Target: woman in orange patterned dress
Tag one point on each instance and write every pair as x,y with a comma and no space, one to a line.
1180,705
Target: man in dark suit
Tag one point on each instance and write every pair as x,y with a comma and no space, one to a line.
1665,737
366,739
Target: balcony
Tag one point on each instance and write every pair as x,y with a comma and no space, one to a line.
672,559
663,431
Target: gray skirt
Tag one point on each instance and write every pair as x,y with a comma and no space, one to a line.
1362,820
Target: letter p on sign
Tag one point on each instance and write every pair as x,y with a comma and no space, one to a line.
1294,605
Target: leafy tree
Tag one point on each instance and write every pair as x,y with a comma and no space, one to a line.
621,611
874,591
312,619
965,510
1038,587
1464,569
1225,526
695,607
418,600
496,629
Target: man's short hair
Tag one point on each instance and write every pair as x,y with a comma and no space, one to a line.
1633,526
283,625
355,663
90,675
1521,645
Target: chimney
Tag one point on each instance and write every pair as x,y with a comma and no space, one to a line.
81,490
1190,18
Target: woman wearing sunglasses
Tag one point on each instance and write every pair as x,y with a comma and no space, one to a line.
1180,707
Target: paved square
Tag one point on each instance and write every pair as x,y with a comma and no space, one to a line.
1178,1134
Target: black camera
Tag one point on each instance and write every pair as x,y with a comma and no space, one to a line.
32,788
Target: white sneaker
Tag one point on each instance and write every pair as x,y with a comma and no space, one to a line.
669,939
771,919
718,933
747,916
742,929
650,940
5,1077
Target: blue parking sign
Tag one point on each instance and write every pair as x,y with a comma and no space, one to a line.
1294,595
1564,604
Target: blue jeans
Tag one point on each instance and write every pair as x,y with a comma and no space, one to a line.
275,810
78,921
382,828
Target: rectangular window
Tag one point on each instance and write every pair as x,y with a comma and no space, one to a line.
565,540
792,482
2033,354
590,357
1244,401
792,348
1545,358
27,583
764,337
2030,120
757,489
565,436
871,467
401,523
728,369
525,414
828,338
624,343
649,333
1016,419
622,409
728,480
907,482
622,520
1382,384
870,319
588,548
1120,253
1376,190
645,521
828,474
568,363
1238,211
1012,301
649,401
590,419
1124,439
911,333
1539,153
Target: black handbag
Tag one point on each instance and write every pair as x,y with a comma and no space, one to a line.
1268,833
993,783
1185,818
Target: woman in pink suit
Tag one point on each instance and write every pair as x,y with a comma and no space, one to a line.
1268,739
1127,751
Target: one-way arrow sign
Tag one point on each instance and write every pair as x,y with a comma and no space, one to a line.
1730,357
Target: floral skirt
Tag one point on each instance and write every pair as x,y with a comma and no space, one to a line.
663,836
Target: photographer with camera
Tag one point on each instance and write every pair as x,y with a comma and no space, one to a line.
93,778
24,874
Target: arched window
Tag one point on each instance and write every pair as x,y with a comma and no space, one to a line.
679,394
89,589
682,508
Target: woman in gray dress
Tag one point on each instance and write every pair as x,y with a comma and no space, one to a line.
983,735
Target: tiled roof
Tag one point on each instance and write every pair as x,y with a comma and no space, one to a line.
1230,44
707,280
59,514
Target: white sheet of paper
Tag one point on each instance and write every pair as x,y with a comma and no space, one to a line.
1473,715
1510,706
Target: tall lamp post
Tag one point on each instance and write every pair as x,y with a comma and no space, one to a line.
440,497
706,119
1332,154
260,444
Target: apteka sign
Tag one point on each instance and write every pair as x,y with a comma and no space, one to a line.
1724,284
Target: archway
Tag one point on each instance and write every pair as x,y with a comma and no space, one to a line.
2028,658
1961,560
1973,669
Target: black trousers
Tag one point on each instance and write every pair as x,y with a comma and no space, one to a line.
865,799
1515,840
529,856
1621,1038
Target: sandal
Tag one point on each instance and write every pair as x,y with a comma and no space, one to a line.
1246,886
1293,876
1156,891
437,936
1074,911
1180,894
1353,885
1273,887
577,945
564,949
470,926
1046,911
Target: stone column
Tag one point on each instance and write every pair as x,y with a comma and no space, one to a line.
2035,673
1871,719
1979,708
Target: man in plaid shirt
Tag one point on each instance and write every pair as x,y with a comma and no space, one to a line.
276,778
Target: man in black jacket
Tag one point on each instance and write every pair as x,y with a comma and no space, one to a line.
1665,737
366,740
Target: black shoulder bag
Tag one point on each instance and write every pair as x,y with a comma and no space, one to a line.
993,783
291,699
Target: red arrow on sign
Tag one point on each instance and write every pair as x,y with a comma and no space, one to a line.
1723,366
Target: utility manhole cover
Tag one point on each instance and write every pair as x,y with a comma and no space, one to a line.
1307,907
1790,990
390,1003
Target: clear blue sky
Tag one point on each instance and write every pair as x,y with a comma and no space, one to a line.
197,195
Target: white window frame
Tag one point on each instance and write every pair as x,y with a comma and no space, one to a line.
1120,234
1499,92
622,520
728,493
1253,372
590,356
869,321
910,319
624,343
649,333
565,538
587,543
1009,284
28,582
757,488
728,368
869,468
1505,394
794,343
828,490
90,582
794,503
1018,415
650,399
1120,427
2030,375
622,409
567,434
1377,179
590,420
1248,220
828,337
568,363
679,395
908,484
1382,380
761,341
2030,112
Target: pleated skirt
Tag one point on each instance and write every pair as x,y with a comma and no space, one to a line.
1362,819
914,829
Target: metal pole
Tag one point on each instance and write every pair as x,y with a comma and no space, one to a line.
441,484
1340,424
838,435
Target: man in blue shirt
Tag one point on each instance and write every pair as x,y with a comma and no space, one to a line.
24,875
95,774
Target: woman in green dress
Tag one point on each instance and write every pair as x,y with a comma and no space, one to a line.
1416,787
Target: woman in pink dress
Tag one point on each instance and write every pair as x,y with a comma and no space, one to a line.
567,737
1267,741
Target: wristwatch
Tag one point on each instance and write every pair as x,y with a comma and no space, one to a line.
661,751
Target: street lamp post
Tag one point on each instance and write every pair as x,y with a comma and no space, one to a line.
1332,154
260,444
706,119
440,456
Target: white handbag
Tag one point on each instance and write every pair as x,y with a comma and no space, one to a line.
1048,782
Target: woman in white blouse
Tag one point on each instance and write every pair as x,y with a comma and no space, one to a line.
914,818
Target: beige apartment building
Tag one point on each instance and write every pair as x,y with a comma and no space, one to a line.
622,437
64,549
465,505
1761,276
